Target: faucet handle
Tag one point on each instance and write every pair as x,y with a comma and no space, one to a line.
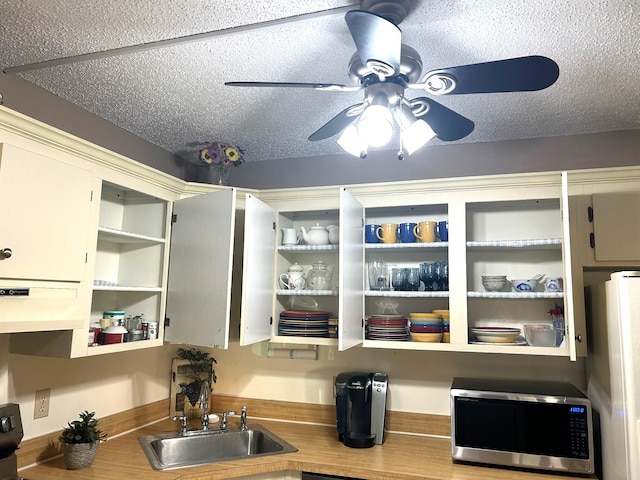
184,422
223,421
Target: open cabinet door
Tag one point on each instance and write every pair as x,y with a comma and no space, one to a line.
200,261
351,302
569,311
258,271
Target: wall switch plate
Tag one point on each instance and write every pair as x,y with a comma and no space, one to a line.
41,407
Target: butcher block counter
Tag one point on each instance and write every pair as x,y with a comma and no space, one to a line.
402,456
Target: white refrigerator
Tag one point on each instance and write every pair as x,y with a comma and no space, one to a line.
613,371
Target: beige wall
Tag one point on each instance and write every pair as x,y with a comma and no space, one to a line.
419,381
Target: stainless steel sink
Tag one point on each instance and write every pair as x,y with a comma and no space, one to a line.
172,450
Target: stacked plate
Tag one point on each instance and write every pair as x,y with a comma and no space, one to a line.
387,327
503,335
303,323
333,328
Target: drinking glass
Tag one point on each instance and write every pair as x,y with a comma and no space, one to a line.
378,276
398,278
427,273
441,277
412,279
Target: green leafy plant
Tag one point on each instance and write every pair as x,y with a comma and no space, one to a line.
201,364
84,430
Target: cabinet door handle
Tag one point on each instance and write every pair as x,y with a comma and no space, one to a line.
579,338
6,253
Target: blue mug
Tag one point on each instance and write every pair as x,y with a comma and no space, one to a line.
370,233
442,231
406,232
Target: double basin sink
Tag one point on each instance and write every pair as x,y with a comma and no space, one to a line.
173,450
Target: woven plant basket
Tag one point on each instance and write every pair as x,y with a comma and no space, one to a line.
79,455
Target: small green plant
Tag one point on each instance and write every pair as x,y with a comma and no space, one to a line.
201,364
84,430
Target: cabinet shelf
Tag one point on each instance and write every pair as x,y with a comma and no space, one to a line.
456,347
292,339
124,288
405,246
407,294
118,236
307,248
515,295
315,293
532,243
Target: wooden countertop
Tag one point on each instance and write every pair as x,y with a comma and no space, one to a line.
401,457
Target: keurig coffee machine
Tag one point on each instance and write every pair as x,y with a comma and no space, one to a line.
361,404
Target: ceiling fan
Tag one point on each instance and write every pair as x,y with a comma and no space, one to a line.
384,68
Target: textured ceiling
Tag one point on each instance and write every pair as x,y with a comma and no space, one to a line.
173,95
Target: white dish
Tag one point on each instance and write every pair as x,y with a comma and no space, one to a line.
516,342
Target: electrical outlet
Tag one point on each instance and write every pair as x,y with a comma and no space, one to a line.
41,407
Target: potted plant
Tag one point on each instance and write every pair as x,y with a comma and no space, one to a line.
80,441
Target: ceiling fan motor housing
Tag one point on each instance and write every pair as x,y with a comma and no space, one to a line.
393,10
410,65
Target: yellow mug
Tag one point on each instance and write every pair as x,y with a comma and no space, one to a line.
425,231
388,232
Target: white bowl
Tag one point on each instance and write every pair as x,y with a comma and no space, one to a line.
494,283
495,334
540,335
524,285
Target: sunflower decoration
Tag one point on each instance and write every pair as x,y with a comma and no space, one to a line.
219,153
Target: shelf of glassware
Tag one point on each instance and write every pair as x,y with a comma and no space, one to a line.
413,300
307,298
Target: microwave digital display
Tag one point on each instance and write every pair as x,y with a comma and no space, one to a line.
537,428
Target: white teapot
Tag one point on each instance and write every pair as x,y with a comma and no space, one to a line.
334,234
317,235
294,279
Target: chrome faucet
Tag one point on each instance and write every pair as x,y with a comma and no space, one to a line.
243,418
204,404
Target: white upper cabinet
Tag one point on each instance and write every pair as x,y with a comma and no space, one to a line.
44,216
199,286
616,227
44,241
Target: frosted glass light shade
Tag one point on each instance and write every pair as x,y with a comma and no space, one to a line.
376,126
351,142
416,135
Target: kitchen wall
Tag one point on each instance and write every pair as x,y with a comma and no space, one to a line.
419,381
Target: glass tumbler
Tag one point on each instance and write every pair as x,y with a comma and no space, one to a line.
378,276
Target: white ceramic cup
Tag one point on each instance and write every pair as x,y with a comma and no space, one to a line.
553,284
289,236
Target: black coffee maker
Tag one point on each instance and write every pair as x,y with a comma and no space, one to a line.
361,404
10,436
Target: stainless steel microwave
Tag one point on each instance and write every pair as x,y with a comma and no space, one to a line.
526,424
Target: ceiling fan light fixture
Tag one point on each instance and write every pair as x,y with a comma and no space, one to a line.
352,143
375,127
416,135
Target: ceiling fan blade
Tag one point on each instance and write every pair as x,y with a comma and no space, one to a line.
378,41
333,87
338,123
447,124
512,75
